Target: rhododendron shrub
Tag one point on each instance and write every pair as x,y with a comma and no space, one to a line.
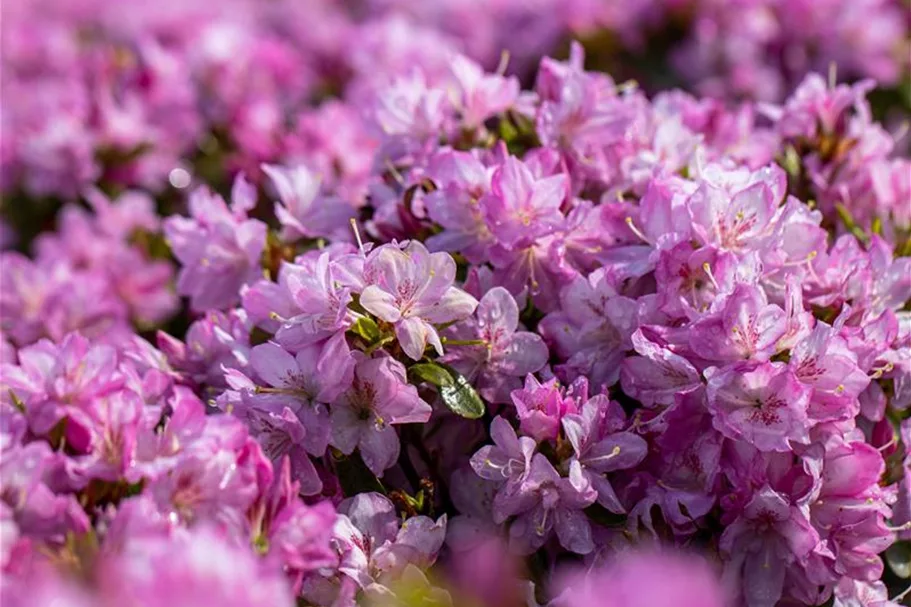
333,306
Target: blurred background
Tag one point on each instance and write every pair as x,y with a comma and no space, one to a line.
114,95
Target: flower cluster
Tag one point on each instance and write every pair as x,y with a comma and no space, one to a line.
111,465
427,331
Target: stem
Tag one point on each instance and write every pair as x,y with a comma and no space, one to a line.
376,346
462,342
442,487
898,598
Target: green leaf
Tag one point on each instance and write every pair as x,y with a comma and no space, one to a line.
456,391
366,328
461,397
899,558
508,132
846,218
432,373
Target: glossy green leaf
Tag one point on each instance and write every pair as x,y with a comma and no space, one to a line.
455,391
366,328
899,558
461,397
431,373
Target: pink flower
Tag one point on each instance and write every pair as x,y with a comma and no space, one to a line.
521,206
218,247
735,211
496,367
376,546
548,503
600,449
478,95
761,403
363,416
645,579
591,331
413,289
302,212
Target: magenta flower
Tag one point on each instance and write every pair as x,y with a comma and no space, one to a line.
645,579
770,535
851,510
413,289
815,107
278,428
734,211
113,424
600,449
478,95
191,567
761,403
30,507
541,407
296,536
496,367
507,461
591,331
215,342
302,212
213,481
462,180
855,593
307,381
218,247
318,305
363,416
410,107
657,375
63,381
522,206
376,546
694,282
747,327
549,503
580,110
824,361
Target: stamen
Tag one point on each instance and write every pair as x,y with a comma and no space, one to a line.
699,159
357,235
889,444
614,453
868,503
901,131
504,63
637,231
395,173
833,75
879,372
541,527
708,271
799,262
